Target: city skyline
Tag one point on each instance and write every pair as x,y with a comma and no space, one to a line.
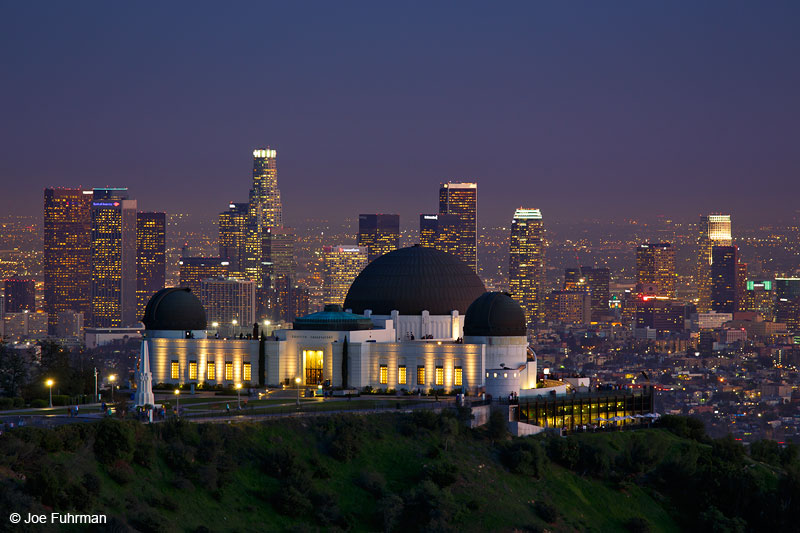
611,119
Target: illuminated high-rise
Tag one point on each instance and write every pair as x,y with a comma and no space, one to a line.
526,263
193,270
113,258
151,267
715,230
277,260
229,302
596,282
20,295
461,200
441,232
341,266
379,233
67,252
264,210
655,266
233,236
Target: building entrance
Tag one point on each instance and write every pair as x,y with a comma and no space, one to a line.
313,363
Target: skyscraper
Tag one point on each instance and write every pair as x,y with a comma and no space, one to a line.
461,199
715,230
594,280
193,270
277,261
655,265
441,232
341,266
113,258
380,234
264,210
526,263
151,267
233,236
724,279
67,252
20,295
229,302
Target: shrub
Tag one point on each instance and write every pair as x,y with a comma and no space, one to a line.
114,440
372,482
38,403
443,474
638,524
121,472
61,399
523,456
6,403
497,426
564,451
19,402
546,511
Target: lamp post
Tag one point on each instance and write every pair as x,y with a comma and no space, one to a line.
95,385
112,378
319,388
177,402
233,330
297,382
238,396
49,383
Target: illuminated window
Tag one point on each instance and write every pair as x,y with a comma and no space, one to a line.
384,375
458,376
420,375
439,375
247,372
401,375
211,375
193,370
174,371
228,371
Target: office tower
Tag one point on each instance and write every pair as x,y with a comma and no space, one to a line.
741,286
568,307
380,234
724,278
341,266
594,280
461,199
195,269
277,260
229,302
113,258
715,230
787,302
233,236
70,325
264,209
67,252
759,298
20,295
655,265
151,266
440,232
660,313
526,263
292,299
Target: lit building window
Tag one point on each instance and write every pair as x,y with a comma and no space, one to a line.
384,375
193,370
420,375
174,370
458,376
401,375
247,372
439,375
211,375
228,371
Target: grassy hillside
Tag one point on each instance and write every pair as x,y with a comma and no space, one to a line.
394,472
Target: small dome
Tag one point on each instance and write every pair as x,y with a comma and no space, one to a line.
175,308
332,319
412,280
495,314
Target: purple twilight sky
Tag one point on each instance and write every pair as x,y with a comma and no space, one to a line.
585,110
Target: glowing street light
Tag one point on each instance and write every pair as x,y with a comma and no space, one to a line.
297,382
178,402
215,325
112,378
49,383
238,395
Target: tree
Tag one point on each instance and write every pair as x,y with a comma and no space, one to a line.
262,360
497,426
14,370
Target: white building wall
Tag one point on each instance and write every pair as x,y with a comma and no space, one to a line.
202,351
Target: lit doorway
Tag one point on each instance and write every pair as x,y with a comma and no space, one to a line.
313,362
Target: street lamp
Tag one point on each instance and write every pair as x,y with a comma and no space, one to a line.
319,388
297,382
49,383
112,378
178,402
238,395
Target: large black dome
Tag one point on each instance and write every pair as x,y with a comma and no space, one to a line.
412,280
175,308
495,314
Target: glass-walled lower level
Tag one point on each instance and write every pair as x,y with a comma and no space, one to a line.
597,409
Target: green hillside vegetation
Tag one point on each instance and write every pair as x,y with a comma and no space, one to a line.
396,472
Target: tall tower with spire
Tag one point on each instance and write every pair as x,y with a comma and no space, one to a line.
144,379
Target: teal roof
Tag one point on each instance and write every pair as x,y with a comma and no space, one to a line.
332,319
